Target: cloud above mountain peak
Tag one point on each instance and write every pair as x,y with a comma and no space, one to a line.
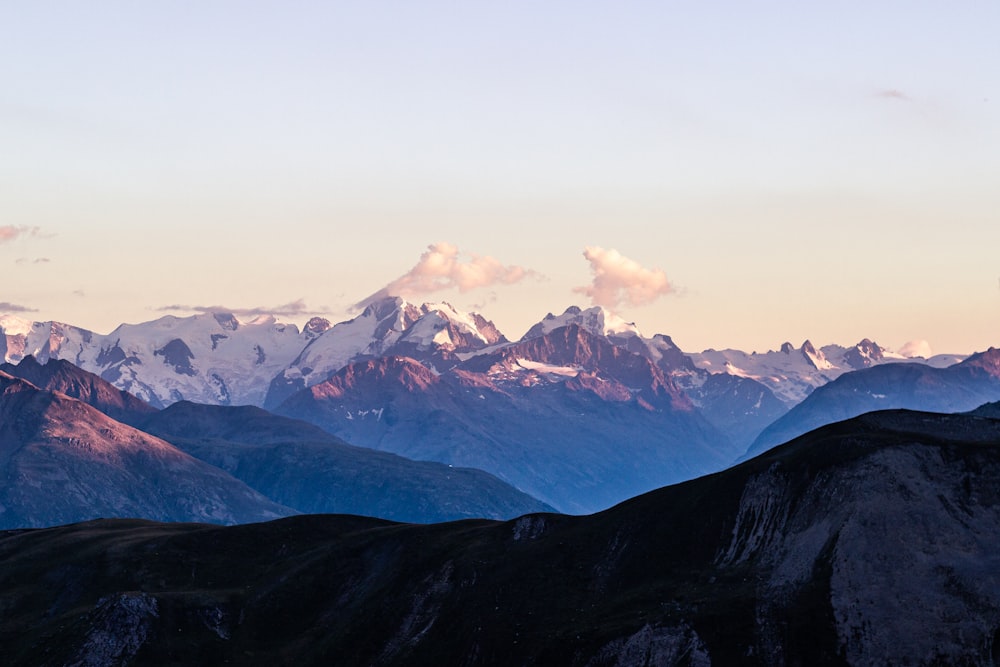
443,266
620,280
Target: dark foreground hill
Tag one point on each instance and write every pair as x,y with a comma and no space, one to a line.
871,541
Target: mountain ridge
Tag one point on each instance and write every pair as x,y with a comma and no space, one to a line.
868,541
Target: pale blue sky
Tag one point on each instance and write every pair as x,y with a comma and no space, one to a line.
796,171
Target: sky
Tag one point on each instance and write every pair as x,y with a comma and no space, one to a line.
732,174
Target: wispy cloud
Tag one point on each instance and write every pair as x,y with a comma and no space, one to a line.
79,292
12,232
618,280
442,266
7,307
893,94
37,260
292,309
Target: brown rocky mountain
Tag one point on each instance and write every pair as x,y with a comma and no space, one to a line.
567,417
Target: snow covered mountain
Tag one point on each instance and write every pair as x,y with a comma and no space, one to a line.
569,417
956,388
215,358
433,333
209,358
793,373
739,407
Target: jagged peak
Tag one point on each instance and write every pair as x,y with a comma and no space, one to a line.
598,320
227,321
815,357
444,314
316,325
402,313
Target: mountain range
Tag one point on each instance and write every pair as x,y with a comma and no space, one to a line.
869,541
215,358
582,412
958,388
793,373
64,459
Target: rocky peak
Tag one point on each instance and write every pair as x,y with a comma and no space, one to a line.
815,357
62,376
988,361
597,320
392,312
315,326
227,321
864,354
368,377
574,346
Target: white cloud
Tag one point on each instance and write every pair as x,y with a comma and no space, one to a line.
442,267
619,280
916,348
11,232
292,309
7,307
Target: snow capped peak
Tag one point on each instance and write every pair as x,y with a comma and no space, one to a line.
815,357
316,326
463,324
399,310
596,320
864,354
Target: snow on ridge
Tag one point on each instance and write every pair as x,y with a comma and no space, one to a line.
541,367
597,320
465,321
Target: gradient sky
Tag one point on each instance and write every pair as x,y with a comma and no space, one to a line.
794,170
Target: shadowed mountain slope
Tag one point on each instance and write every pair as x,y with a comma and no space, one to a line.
870,541
61,460
567,417
60,375
302,466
